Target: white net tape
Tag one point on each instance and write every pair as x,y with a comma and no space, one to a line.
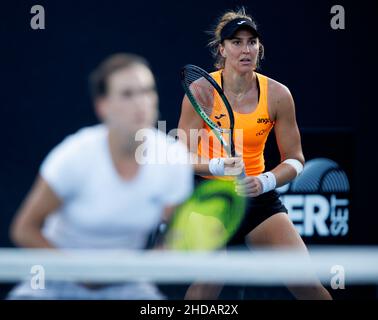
260,267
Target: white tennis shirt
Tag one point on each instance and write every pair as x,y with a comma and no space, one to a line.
102,210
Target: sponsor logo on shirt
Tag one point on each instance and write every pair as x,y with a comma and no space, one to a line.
264,120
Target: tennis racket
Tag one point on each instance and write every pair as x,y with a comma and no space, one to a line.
208,98
208,219
214,212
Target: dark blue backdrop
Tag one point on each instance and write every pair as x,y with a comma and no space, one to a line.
43,82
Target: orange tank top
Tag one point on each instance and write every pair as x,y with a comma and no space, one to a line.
251,132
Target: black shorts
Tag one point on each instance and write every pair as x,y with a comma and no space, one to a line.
258,210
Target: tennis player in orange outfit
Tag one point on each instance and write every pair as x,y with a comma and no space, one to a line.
259,104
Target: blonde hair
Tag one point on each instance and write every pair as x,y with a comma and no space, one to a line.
215,42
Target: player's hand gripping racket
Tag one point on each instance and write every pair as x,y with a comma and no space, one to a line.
207,97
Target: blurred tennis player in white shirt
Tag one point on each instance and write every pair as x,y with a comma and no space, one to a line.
93,192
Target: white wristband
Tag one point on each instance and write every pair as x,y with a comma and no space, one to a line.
296,164
216,166
268,181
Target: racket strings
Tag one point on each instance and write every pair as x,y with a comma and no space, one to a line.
207,98
201,90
